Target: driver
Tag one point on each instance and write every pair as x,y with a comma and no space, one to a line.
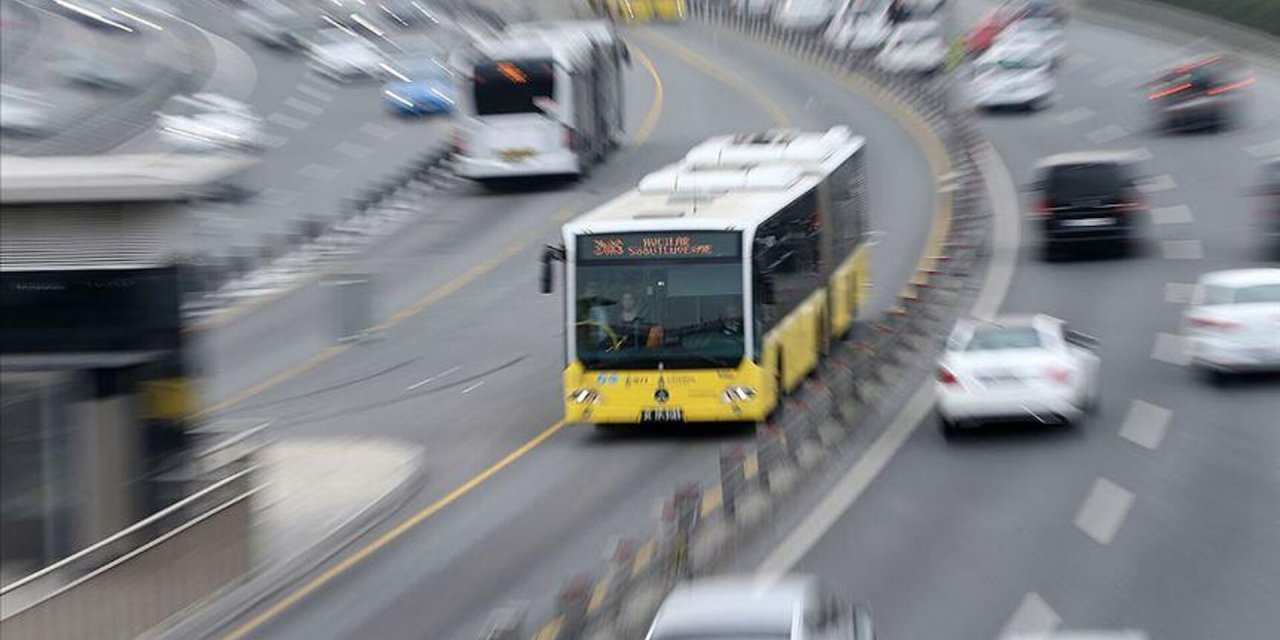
631,327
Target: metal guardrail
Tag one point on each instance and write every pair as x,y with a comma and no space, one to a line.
698,527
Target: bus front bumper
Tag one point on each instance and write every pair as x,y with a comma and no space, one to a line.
543,164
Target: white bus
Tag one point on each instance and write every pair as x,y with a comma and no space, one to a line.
711,291
545,100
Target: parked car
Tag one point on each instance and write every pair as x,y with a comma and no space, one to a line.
90,67
210,122
23,112
804,15
1038,33
915,47
343,55
1016,368
790,608
1088,198
861,25
1208,93
274,24
1233,324
1012,76
984,33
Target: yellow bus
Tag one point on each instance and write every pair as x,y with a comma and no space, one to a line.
712,290
646,10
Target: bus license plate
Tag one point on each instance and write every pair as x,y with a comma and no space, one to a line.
662,415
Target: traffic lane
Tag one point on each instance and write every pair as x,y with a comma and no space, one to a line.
574,517
1008,514
456,231
901,189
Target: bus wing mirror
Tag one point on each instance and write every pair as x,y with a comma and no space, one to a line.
549,255
626,54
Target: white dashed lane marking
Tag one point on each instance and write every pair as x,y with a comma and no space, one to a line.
1114,76
1109,133
304,106
1145,424
1182,249
353,150
1159,183
1177,214
376,130
1078,114
473,387
1033,616
1170,348
289,122
1104,511
277,197
1264,150
319,172
313,93
431,379
1179,292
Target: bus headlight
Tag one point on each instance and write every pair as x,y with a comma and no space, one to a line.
584,396
738,394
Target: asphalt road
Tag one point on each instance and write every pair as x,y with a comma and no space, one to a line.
1160,513
472,371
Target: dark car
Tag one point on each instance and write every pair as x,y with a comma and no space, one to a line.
1203,94
1090,198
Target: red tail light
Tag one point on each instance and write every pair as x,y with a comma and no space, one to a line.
1213,324
460,144
1043,208
946,377
1168,91
1231,87
1136,202
1060,375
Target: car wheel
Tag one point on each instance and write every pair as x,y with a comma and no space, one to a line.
1051,252
1215,377
948,427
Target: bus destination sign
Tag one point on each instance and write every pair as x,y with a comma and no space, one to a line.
639,246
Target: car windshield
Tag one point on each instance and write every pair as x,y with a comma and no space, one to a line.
995,338
513,86
1075,181
1257,293
677,312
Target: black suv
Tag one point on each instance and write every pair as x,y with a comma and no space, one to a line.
1091,198
1203,94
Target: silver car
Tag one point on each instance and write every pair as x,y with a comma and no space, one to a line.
788,608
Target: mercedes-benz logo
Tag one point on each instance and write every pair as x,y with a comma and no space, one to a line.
661,396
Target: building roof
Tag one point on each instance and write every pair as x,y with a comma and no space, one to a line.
113,178
726,183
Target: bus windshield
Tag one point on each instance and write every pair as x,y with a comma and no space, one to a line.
513,86
640,314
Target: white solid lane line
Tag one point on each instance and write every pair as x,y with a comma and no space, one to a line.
1182,249
431,379
1170,348
1006,239
304,106
1104,511
1179,292
1145,424
1158,183
473,387
1033,617
1078,114
1177,214
1109,133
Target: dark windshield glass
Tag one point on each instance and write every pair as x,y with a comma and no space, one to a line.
1072,182
639,314
512,86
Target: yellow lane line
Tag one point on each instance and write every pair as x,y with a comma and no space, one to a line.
651,118
550,630
644,556
387,538
711,500
780,117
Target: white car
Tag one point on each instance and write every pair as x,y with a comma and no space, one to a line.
23,112
210,122
1233,323
1044,34
790,608
914,47
860,26
273,24
1008,76
753,8
1016,368
804,15
342,55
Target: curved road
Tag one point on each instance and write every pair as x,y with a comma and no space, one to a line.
1160,514
468,364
